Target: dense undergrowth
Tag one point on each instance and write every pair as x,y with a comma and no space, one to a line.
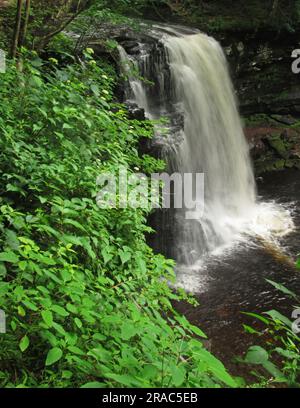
277,359
86,300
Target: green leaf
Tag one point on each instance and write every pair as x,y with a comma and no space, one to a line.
127,380
30,305
274,371
43,200
47,317
94,384
249,329
71,308
3,270
282,288
75,224
128,331
287,353
78,322
256,355
197,331
178,375
35,81
125,256
106,255
54,355
76,350
12,240
215,366
149,372
67,126
142,265
21,311
67,374
59,328
95,89
24,343
9,256
257,316
60,310
275,315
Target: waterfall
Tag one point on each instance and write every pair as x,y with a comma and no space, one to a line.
192,88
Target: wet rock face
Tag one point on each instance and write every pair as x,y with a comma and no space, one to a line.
263,76
269,96
135,112
274,144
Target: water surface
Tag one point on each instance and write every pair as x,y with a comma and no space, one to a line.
235,281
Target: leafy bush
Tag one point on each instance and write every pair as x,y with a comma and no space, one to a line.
280,358
87,301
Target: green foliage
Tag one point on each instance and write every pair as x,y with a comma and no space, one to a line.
87,302
280,358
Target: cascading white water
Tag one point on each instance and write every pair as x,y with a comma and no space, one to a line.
130,67
211,142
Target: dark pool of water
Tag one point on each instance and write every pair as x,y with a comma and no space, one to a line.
237,282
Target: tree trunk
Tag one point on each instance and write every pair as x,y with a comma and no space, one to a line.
274,8
25,25
17,29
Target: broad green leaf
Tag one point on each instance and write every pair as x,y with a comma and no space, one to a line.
107,256
30,305
142,265
67,126
75,224
24,343
47,317
76,350
71,308
128,331
54,355
125,256
128,380
197,331
256,355
275,315
178,375
274,371
282,288
94,384
9,257
78,322
60,310
21,311
95,89
288,353
3,270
